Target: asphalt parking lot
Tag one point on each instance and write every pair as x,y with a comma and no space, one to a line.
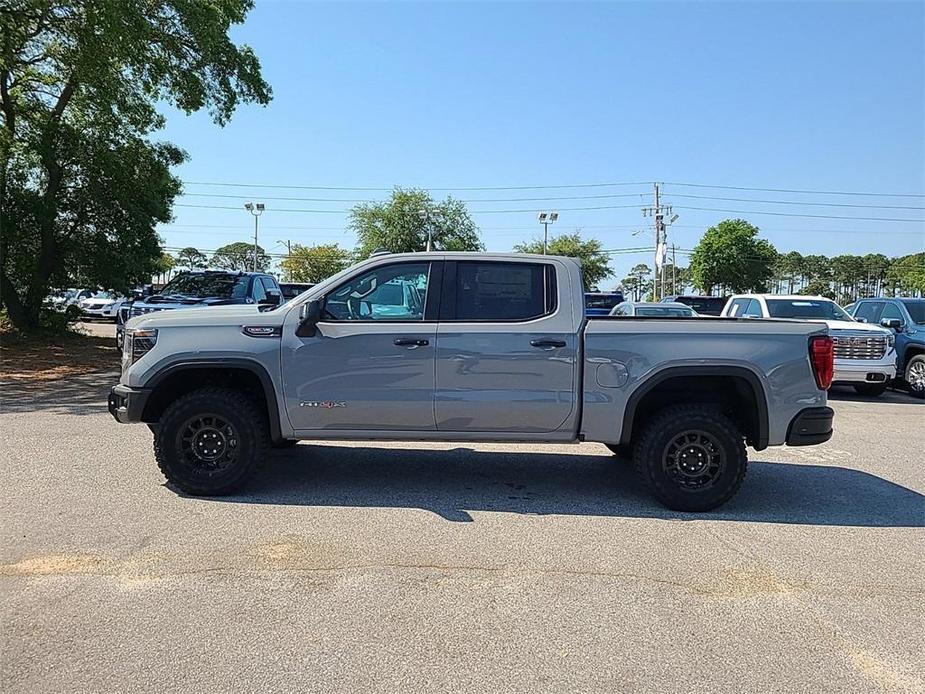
433,567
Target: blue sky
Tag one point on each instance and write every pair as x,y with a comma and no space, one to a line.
818,96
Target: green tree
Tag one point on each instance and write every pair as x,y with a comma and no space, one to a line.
595,264
731,256
314,263
240,256
191,258
818,287
164,266
788,268
82,185
906,275
637,283
402,223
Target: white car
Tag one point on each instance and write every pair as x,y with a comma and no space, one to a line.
100,305
865,354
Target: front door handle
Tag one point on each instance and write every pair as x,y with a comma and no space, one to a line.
410,342
546,344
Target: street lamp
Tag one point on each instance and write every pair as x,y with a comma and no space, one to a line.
425,217
547,218
255,209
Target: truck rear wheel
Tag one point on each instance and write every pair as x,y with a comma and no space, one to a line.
208,442
691,457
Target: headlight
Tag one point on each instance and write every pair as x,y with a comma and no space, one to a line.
891,339
136,344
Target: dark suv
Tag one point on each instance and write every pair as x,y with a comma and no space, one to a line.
205,288
906,317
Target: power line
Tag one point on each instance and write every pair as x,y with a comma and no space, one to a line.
796,202
468,201
388,190
802,191
531,211
793,214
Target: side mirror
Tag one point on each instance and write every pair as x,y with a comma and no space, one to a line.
892,323
271,299
309,315
861,319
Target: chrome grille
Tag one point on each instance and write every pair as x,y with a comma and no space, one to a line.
859,346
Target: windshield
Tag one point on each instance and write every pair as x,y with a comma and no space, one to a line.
207,286
104,295
607,301
916,311
712,306
806,308
665,311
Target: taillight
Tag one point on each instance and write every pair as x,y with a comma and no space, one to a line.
822,357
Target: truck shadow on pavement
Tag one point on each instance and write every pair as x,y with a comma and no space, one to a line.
453,483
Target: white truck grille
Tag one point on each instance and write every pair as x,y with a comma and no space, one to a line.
859,345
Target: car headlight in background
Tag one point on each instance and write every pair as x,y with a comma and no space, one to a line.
136,344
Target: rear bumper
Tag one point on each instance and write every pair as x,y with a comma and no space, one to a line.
811,426
126,404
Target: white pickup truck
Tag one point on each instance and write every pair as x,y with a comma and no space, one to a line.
471,347
865,355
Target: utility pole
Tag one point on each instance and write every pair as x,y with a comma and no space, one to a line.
658,212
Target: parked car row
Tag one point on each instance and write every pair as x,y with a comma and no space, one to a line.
85,303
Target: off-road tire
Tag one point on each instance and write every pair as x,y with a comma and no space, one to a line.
247,438
917,362
621,450
659,439
870,390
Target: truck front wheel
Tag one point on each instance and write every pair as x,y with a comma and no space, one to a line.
208,442
691,457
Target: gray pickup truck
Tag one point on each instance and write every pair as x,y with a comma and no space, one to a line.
471,347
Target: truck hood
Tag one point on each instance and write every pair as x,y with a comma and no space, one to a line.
205,315
854,326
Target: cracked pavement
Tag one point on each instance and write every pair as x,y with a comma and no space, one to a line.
447,567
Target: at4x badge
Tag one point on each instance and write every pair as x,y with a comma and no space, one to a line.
324,404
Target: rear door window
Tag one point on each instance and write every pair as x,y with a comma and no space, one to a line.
498,291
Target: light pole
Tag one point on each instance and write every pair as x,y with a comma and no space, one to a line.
547,218
255,209
425,217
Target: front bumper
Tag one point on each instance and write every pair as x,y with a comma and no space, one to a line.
126,404
811,426
859,371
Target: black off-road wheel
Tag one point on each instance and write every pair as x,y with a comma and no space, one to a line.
870,390
691,457
210,441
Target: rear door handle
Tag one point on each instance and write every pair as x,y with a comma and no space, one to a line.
410,342
543,344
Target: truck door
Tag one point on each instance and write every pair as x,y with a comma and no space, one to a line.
507,347
370,364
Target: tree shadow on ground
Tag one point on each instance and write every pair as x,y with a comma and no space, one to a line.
453,483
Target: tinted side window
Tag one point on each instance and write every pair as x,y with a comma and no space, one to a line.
737,307
891,311
753,310
490,291
270,285
257,291
870,310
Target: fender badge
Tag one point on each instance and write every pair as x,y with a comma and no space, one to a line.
324,404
